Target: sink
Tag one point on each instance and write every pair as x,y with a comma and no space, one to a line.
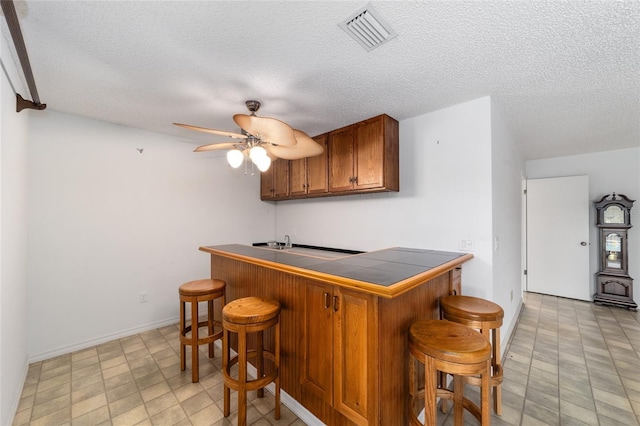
324,252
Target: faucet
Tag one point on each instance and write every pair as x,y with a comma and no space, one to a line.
287,242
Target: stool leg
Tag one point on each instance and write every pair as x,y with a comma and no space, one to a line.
225,363
442,383
183,347
277,366
194,342
260,360
495,361
242,378
210,325
430,391
458,400
484,394
413,386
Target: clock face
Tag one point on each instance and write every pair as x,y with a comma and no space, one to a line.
613,214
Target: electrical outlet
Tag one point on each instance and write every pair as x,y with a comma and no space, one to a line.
466,245
143,297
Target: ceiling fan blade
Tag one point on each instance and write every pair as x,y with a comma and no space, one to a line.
267,129
306,147
212,131
215,146
270,154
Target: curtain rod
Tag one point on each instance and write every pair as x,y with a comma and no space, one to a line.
10,15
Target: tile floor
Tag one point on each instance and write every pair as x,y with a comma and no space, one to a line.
568,363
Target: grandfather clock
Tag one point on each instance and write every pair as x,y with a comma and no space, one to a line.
614,286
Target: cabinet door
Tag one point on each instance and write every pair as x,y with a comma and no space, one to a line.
355,387
267,190
369,153
341,160
317,351
298,176
317,169
281,178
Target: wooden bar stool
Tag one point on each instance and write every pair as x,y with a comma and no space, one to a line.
444,346
486,317
242,316
194,292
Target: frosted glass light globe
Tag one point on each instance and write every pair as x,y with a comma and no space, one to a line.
263,163
256,153
234,158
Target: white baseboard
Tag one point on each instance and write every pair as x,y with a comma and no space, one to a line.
99,340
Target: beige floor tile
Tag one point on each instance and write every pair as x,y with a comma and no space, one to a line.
86,406
95,417
568,362
133,416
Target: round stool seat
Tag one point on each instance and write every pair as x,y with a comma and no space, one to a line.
201,287
446,347
450,342
472,309
250,310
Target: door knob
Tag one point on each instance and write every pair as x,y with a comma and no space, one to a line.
584,243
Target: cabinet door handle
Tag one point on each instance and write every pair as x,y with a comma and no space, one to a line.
326,300
335,303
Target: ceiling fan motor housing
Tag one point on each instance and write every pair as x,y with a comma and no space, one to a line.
253,106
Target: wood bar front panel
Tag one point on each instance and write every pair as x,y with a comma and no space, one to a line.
351,391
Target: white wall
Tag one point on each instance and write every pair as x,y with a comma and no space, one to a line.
445,196
507,171
13,242
107,222
460,176
610,171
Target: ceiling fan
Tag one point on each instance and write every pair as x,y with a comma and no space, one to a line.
262,140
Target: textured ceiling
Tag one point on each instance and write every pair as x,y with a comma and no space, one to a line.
566,75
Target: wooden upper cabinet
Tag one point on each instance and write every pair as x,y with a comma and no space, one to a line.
361,157
274,183
309,175
341,159
317,177
281,177
364,157
267,189
298,177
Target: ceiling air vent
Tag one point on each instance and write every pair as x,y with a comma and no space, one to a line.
368,28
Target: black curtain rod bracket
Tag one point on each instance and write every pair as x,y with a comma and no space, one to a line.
10,15
22,103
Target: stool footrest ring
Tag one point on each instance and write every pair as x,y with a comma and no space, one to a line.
250,385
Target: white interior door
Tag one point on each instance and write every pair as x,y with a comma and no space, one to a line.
558,237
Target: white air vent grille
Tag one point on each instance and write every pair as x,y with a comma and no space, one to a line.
368,28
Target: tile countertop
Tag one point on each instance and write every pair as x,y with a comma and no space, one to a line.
386,272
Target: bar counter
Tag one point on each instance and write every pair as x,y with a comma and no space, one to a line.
344,320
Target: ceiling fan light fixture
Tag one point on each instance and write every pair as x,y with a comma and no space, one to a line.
263,163
235,158
256,153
